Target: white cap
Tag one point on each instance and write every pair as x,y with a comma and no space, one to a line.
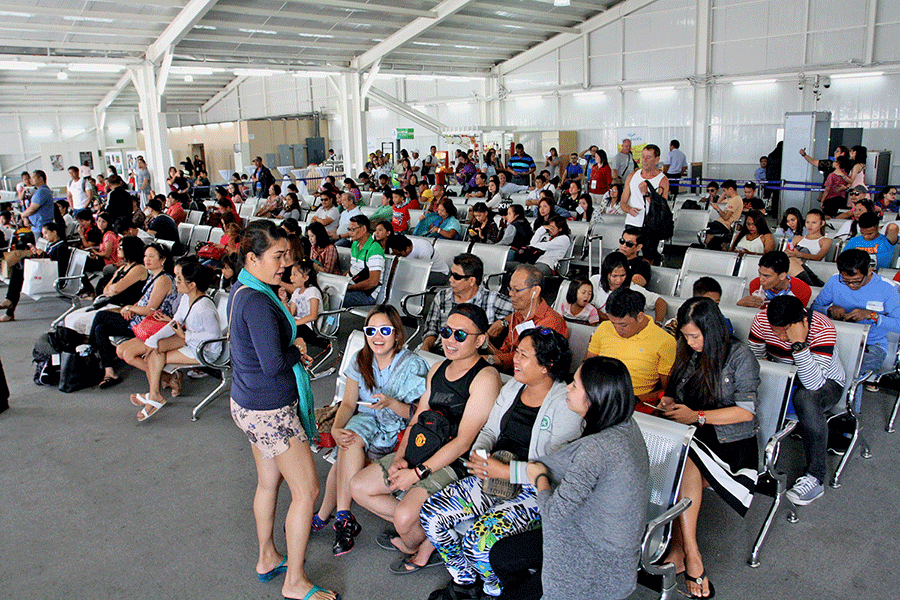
416,151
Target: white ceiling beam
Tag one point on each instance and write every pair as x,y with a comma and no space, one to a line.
613,14
58,45
59,12
193,11
370,79
370,7
278,41
223,92
552,12
402,108
162,75
124,80
442,11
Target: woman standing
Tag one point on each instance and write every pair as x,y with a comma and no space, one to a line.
270,387
601,175
592,495
858,156
552,162
713,385
834,197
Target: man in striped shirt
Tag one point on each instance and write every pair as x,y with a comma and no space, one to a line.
786,332
522,166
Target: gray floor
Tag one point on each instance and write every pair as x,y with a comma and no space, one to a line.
96,506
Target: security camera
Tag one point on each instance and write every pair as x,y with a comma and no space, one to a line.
826,82
801,85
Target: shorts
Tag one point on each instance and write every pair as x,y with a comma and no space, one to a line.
269,430
431,484
377,439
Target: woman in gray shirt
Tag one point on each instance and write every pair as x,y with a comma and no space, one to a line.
592,496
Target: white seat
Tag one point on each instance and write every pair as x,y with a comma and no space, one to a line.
579,340
355,343
749,266
450,249
741,318
688,223
710,262
184,233
733,288
198,235
194,217
343,258
824,270
327,325
663,281
493,257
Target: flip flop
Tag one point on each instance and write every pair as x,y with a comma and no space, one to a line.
384,539
264,577
139,399
402,566
699,581
108,382
145,414
312,592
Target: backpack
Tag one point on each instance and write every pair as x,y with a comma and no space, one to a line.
659,222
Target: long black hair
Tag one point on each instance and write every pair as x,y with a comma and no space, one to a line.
609,392
610,263
706,386
800,221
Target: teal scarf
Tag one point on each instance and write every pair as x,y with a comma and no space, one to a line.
305,406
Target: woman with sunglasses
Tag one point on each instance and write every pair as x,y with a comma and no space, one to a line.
463,389
530,419
384,380
592,496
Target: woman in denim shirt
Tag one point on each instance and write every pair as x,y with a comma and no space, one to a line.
713,385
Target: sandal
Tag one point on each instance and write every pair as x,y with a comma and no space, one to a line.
405,565
176,382
108,382
144,415
281,568
384,539
699,581
312,592
139,399
6,319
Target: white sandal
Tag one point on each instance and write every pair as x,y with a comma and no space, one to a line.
156,405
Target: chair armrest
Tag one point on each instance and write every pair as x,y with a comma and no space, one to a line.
487,280
655,524
774,446
222,362
57,285
406,299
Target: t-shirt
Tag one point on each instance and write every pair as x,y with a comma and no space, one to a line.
734,207
332,213
370,256
797,288
648,354
623,164
119,203
573,171
881,247
423,250
344,221
78,189
43,197
587,315
639,266
677,161
165,228
400,218
176,211
521,164
601,177
301,299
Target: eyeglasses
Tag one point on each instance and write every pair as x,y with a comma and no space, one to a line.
459,335
855,194
459,276
852,282
520,290
384,330
627,244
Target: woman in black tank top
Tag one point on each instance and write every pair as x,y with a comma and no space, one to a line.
463,388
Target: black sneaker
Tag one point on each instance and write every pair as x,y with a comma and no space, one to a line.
344,532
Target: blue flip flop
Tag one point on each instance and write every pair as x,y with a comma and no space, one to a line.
264,577
315,589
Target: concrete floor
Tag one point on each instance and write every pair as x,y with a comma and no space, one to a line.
96,506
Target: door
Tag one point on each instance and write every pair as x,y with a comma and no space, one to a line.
198,150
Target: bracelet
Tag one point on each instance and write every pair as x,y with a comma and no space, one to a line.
538,478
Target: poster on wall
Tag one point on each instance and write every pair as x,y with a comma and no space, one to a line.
638,137
114,159
86,159
56,162
131,160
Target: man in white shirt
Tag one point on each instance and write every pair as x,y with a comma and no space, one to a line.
421,249
78,191
342,235
675,167
415,163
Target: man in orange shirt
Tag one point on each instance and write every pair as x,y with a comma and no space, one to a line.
530,311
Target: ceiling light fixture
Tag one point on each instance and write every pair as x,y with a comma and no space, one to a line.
62,75
258,72
6,13
95,68
90,19
562,2
857,75
189,79
262,31
17,65
187,70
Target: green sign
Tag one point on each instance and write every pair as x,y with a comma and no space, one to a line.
120,141
405,133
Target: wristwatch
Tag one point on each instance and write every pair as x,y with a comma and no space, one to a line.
701,418
799,346
422,472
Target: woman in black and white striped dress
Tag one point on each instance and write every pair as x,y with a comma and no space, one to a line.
713,385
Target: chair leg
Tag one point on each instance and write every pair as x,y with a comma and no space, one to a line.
764,530
669,580
836,479
226,380
890,425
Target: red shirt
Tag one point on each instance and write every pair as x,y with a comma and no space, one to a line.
601,178
177,213
798,288
543,316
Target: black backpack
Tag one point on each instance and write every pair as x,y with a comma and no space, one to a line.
659,222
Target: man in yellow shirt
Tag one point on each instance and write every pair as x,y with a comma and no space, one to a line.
632,337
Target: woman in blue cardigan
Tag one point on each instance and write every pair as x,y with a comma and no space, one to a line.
272,403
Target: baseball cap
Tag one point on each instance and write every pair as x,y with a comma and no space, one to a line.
861,189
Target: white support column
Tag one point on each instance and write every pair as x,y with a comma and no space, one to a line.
871,16
156,136
701,89
355,155
346,124
100,124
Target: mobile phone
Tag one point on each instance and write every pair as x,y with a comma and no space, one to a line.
361,403
653,406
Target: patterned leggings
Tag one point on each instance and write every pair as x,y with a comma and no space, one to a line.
467,555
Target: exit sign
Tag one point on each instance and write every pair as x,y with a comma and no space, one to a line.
405,133
120,141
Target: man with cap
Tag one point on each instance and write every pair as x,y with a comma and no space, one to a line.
415,163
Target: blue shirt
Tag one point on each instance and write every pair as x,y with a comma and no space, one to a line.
43,197
877,296
573,171
521,164
881,247
760,174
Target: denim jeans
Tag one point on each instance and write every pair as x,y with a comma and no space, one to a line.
873,359
810,406
357,298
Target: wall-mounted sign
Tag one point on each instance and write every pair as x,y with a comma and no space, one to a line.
404,133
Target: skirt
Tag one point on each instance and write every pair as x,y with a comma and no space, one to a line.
729,467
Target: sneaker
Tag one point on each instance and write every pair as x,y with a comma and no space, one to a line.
344,532
805,490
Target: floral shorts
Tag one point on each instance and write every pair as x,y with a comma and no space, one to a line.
269,430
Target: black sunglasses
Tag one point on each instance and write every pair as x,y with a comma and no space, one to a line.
626,243
385,330
457,276
458,334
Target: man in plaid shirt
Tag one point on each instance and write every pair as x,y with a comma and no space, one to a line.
465,287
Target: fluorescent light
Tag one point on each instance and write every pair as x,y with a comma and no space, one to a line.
456,78
561,2
62,75
258,72
313,73
188,78
228,124
186,70
205,27
41,132
91,19
588,94
262,31
425,44
21,65
95,68
120,128
315,35
857,75
213,125
6,13
754,82
70,132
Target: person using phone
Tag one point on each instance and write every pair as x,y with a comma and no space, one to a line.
713,385
384,380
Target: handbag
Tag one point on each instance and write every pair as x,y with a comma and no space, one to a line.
427,436
149,325
210,251
528,254
79,369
